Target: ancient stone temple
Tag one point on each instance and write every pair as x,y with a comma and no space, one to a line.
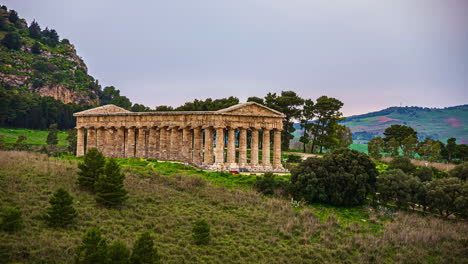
226,139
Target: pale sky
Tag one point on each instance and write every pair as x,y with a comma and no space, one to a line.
371,54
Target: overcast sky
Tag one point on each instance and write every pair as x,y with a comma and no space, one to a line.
371,54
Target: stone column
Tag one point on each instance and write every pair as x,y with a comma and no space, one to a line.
152,143
120,144
130,145
157,147
266,148
91,139
101,140
242,147
163,146
197,145
173,144
140,144
254,148
231,148
179,155
208,155
277,149
80,141
219,156
186,143
109,146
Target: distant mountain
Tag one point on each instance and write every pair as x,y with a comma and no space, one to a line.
436,123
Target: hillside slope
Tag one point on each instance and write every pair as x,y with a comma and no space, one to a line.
436,123
36,60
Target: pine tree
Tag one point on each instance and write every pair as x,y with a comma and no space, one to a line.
35,30
13,17
109,186
61,212
52,138
11,220
91,168
144,251
36,48
71,138
12,41
93,248
118,253
201,232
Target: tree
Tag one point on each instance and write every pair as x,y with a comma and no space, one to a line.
35,30
327,113
375,147
399,133
72,140
306,122
11,220
343,177
430,149
118,253
408,146
144,251
257,100
392,147
93,248
3,24
288,103
395,185
201,232
402,163
13,17
450,150
12,41
462,152
90,169
52,137
460,171
424,174
61,211
110,185
36,48
344,137
266,184
445,195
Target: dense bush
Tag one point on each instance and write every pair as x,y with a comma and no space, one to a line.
397,186
109,186
448,196
402,163
424,173
144,251
460,171
344,177
12,41
266,184
294,158
201,232
93,248
61,211
11,220
118,253
90,169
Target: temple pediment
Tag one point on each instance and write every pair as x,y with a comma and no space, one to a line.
106,109
250,108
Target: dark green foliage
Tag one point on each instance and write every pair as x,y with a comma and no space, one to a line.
90,169
344,177
36,48
328,114
266,184
3,24
35,30
424,173
61,211
396,186
109,186
50,37
65,41
448,196
12,41
52,137
256,99
460,171
118,253
201,232
294,158
399,133
402,163
93,248
375,147
208,104
72,139
20,143
11,220
13,17
144,251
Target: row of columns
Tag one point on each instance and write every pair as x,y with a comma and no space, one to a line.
184,144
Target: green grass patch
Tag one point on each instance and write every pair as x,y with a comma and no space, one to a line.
34,137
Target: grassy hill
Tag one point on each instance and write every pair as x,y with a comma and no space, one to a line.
34,137
166,198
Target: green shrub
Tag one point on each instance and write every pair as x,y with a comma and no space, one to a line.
402,163
144,251
201,232
90,169
118,253
448,196
266,184
110,185
294,158
397,186
12,41
424,173
93,248
11,220
460,171
61,211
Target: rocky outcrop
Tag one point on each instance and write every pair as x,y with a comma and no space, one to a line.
13,79
60,92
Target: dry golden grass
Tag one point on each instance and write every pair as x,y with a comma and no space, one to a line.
246,227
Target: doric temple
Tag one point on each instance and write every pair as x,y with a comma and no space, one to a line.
215,140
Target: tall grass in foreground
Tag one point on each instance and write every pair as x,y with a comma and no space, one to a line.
245,226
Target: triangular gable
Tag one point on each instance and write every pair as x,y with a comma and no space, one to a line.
251,108
106,109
